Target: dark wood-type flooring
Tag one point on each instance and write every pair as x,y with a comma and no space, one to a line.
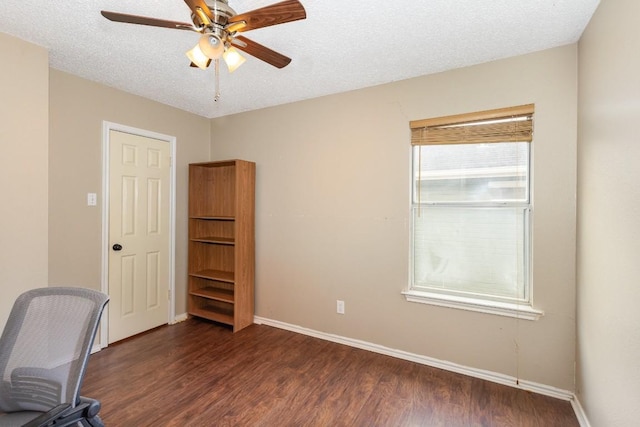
198,373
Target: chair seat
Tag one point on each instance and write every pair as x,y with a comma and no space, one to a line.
17,419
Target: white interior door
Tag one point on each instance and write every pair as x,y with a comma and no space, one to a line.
139,233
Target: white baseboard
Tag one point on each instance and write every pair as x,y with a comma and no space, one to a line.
430,361
580,414
179,318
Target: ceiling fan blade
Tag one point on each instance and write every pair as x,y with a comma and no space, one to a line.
261,52
143,20
279,13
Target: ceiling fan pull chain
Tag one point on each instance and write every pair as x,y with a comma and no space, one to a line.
216,64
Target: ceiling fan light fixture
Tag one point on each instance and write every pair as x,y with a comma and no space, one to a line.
197,56
211,45
232,58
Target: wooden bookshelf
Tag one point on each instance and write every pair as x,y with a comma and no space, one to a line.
221,242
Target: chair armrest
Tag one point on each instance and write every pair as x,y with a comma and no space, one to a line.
92,406
47,417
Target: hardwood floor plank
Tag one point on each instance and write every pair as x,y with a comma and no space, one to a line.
198,373
341,390
480,403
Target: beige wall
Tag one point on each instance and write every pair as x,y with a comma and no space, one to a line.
333,214
608,355
78,109
24,126
332,204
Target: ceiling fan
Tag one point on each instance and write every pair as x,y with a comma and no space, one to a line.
219,26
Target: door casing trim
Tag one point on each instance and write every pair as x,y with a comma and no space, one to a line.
106,128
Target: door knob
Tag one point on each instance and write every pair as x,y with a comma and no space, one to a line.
117,247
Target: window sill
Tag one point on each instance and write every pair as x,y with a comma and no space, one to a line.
525,312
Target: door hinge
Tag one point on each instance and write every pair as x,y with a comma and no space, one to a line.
169,294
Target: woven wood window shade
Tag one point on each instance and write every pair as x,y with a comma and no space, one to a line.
513,124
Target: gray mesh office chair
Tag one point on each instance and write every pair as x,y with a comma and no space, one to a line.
44,351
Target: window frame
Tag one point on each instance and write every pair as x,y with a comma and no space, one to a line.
516,307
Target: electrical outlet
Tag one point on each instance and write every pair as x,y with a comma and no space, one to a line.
340,307
92,199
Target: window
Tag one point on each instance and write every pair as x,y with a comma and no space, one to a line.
471,210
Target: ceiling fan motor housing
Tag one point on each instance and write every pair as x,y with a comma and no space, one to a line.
221,12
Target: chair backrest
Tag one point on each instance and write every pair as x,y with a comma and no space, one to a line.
45,347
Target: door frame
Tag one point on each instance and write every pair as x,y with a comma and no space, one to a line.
171,140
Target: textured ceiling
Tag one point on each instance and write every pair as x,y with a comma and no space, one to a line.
341,46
